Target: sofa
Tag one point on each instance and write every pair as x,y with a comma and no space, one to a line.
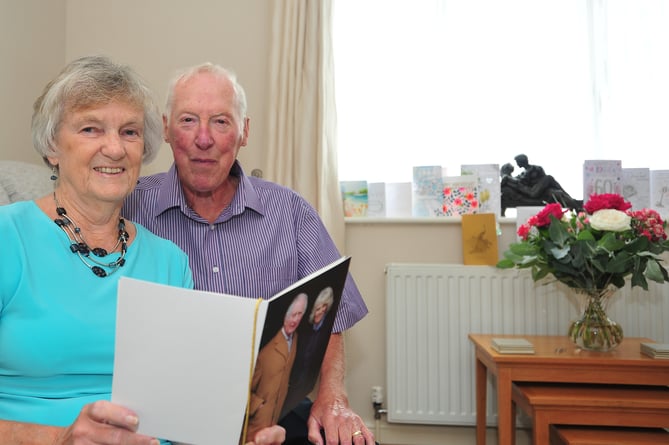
21,181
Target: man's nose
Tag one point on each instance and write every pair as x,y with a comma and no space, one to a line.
203,138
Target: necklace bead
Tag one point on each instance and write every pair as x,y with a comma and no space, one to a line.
79,246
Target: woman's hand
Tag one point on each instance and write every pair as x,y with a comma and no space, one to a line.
105,423
272,435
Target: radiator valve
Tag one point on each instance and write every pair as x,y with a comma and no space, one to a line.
378,410
377,395
377,401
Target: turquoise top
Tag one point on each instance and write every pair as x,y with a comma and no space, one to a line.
57,319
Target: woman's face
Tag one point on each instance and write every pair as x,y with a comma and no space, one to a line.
99,151
319,312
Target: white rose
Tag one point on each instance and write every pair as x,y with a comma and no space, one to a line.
611,220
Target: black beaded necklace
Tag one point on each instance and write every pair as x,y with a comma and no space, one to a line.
79,246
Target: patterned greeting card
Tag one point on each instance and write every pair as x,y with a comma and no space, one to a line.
636,187
659,191
426,191
354,194
460,195
602,176
479,239
376,197
488,186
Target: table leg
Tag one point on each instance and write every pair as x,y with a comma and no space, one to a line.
505,418
540,427
513,416
481,399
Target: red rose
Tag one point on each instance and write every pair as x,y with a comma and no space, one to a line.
606,201
543,218
524,231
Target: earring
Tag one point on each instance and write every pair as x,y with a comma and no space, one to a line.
54,172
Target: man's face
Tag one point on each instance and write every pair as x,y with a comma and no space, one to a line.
204,131
294,316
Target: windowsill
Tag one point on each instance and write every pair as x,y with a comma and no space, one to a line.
415,220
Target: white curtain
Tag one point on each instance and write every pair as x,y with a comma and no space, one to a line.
302,123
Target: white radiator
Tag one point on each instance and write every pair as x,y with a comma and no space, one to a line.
431,308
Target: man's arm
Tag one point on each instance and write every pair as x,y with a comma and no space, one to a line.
330,410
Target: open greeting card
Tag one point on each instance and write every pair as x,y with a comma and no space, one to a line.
185,358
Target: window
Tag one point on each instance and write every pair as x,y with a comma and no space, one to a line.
451,82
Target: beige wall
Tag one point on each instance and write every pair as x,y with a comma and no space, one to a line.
156,37
32,48
159,36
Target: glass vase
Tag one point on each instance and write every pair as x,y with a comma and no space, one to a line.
594,330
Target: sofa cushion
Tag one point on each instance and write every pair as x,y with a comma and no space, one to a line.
22,181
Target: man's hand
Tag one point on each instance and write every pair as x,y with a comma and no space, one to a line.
330,412
340,423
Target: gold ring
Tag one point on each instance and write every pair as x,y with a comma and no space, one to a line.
357,433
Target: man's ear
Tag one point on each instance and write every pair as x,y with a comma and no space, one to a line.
165,132
245,132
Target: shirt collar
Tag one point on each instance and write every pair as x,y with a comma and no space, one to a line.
247,195
171,195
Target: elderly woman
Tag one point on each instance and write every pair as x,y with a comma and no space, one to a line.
63,254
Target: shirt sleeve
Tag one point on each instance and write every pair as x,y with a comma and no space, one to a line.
317,249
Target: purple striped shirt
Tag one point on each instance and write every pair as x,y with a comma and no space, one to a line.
268,238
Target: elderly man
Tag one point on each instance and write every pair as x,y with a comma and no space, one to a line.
244,235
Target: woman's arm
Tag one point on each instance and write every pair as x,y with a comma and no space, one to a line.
20,433
100,422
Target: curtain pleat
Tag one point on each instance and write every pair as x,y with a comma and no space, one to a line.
302,119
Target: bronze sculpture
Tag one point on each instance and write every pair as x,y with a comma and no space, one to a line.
532,187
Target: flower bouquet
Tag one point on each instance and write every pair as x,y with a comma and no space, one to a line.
593,252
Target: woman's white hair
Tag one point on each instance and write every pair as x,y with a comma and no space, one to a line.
88,82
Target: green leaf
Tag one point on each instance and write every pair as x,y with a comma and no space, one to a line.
654,272
618,281
523,249
639,280
538,273
557,232
505,264
585,235
610,242
620,263
559,253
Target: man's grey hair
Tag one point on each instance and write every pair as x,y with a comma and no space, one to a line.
218,71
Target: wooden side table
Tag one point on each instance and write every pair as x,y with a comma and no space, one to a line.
588,404
556,359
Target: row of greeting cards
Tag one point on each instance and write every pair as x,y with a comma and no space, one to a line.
430,193
475,196
477,190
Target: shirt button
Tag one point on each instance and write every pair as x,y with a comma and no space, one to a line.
212,227
215,269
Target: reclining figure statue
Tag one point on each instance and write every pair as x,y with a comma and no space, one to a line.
532,187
